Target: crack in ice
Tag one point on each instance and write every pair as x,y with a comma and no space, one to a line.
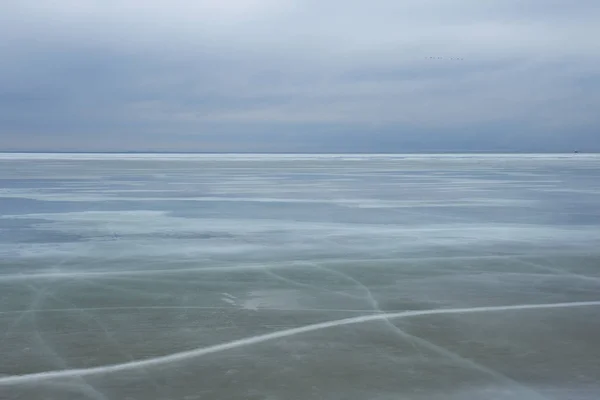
190,354
430,345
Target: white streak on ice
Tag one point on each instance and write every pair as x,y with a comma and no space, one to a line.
185,355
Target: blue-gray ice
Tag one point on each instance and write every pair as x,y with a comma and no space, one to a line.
299,277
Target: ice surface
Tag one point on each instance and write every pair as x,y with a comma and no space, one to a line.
299,277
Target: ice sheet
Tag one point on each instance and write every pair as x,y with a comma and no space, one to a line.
299,276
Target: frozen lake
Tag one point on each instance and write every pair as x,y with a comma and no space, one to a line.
299,277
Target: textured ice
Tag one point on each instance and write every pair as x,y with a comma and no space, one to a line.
299,277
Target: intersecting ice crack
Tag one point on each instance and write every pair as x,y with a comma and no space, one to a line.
43,345
429,345
383,203
176,357
108,335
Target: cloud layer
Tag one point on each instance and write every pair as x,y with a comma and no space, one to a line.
300,75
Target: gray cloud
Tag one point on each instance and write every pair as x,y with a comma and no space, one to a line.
293,75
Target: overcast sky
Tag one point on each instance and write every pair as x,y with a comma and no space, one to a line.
300,75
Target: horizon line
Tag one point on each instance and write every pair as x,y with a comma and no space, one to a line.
288,153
